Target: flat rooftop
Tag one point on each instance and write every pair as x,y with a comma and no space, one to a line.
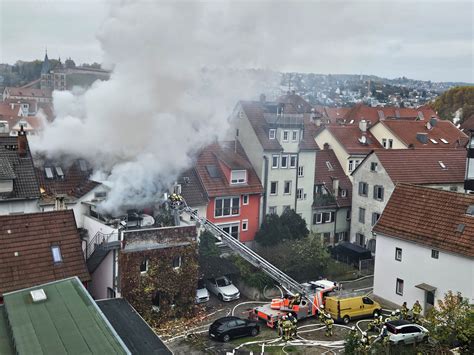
68,321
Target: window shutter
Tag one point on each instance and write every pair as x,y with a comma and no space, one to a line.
360,188
381,193
375,192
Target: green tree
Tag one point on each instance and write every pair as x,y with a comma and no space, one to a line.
207,245
272,231
449,102
451,322
296,225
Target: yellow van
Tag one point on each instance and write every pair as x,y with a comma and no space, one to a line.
346,308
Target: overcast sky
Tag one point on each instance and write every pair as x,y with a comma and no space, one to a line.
429,40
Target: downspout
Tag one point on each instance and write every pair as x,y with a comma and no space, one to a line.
265,186
296,178
335,222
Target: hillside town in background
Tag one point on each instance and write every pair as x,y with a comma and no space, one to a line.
328,190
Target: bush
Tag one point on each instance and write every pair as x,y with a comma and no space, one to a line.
276,229
207,245
250,275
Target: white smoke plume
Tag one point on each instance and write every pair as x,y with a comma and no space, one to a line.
177,75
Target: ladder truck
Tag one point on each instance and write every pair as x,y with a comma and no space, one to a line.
302,300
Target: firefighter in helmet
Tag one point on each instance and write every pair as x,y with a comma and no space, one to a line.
404,311
286,329
296,299
328,321
293,321
416,311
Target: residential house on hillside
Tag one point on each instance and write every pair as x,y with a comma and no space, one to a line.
60,317
233,188
425,246
67,187
39,247
332,199
282,152
19,190
38,95
350,144
376,177
159,271
432,133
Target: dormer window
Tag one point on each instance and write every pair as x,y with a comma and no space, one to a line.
294,136
238,177
286,136
272,134
59,171
49,173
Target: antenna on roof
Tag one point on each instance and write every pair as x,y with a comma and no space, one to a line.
363,140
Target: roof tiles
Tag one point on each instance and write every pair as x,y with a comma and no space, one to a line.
25,249
429,217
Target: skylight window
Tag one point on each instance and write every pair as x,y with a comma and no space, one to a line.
59,171
434,141
351,122
49,173
56,251
83,165
442,165
328,164
444,141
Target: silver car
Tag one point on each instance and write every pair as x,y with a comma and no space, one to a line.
404,332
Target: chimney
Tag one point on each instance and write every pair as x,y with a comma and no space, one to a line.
335,186
317,121
22,143
263,98
60,202
326,146
363,125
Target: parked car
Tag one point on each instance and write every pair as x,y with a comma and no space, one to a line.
228,328
223,288
202,294
404,332
346,308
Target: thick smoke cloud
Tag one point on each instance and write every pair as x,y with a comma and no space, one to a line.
177,74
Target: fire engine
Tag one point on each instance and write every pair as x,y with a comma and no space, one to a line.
303,300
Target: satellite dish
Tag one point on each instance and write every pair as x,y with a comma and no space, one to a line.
363,140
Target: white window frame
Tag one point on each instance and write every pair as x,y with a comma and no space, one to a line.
272,210
384,142
398,254
286,157
231,207
239,180
390,144
434,254
272,133
301,171
245,225
287,134
276,189
147,263
289,187
230,225
351,165
294,136
300,194
245,199
374,165
180,262
275,159
379,189
331,216
399,284
319,218
293,160
343,193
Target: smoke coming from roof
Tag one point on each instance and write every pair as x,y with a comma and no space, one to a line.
177,75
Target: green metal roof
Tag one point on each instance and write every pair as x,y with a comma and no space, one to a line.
69,321
6,346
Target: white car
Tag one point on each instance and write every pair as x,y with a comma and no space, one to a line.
202,294
404,332
223,288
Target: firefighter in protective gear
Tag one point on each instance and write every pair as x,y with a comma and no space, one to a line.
293,321
295,300
404,311
392,317
329,324
384,336
322,314
175,200
286,329
375,324
416,311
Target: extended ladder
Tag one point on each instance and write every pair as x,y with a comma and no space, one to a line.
288,283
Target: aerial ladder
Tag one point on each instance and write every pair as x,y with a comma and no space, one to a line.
293,287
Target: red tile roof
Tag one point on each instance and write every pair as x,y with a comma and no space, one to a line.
325,173
29,92
219,186
429,217
294,103
31,236
407,132
374,114
76,183
348,137
421,166
7,112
